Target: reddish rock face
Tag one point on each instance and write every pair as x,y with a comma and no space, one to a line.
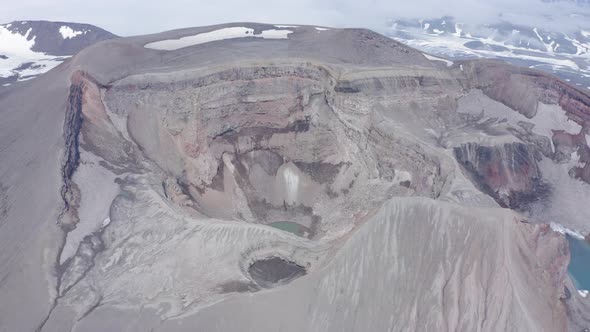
575,102
522,89
509,173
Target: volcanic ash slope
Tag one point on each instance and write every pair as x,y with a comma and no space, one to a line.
259,177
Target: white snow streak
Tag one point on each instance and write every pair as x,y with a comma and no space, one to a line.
215,35
292,183
453,45
564,230
105,223
433,58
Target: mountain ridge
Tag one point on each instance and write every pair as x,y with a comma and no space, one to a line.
564,54
30,48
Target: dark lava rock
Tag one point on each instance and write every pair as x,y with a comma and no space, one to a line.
509,173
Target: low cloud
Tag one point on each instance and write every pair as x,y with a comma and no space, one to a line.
128,17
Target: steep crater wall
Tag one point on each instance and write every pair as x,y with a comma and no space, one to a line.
270,144
509,173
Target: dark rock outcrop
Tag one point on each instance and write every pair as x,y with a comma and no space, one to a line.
509,172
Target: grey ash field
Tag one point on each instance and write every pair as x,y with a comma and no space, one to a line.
142,182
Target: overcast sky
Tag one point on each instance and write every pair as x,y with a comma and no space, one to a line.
129,17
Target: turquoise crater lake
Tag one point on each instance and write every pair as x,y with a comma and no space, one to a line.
579,267
292,227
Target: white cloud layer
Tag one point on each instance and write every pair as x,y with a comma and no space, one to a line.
127,17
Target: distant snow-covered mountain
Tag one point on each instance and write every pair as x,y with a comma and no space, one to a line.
565,54
30,48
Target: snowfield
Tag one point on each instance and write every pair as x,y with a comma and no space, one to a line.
547,119
18,51
69,33
564,230
29,49
562,54
216,35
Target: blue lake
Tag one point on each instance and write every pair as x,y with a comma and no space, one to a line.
579,268
290,227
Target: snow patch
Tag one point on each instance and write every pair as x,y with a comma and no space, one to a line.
558,228
547,47
69,33
433,58
458,30
274,34
287,26
18,49
22,79
38,67
215,35
583,292
16,45
292,183
553,117
105,223
547,119
564,207
401,176
321,29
